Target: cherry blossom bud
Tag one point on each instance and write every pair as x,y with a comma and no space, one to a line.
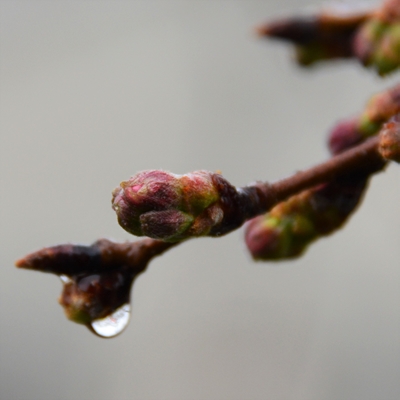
166,206
290,227
377,43
324,36
271,238
172,207
371,36
379,109
344,135
353,131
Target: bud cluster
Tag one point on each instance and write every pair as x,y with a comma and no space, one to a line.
377,43
325,36
310,204
287,230
373,37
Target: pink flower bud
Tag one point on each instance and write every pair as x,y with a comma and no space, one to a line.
273,238
166,206
291,226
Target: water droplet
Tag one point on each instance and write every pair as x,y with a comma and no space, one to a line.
113,324
65,279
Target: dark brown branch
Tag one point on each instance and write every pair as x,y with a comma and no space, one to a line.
103,255
365,157
98,278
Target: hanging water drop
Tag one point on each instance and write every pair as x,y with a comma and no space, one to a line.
113,324
65,279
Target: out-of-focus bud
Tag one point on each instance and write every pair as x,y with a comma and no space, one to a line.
344,135
290,227
373,37
324,36
380,108
272,238
389,139
353,131
377,43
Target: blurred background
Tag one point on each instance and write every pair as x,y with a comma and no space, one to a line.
94,91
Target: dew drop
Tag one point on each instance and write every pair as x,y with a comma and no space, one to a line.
65,279
113,324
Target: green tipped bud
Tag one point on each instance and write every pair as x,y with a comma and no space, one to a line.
272,238
327,35
350,132
322,37
380,108
371,36
377,43
344,135
169,207
389,139
290,227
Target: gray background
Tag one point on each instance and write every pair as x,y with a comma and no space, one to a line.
94,91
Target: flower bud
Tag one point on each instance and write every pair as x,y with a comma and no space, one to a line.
377,42
344,135
324,36
271,238
380,108
171,207
371,36
353,131
290,227
146,191
389,139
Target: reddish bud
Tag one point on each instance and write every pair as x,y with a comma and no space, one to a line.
379,109
172,207
353,131
324,36
373,37
165,206
344,135
290,227
270,238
